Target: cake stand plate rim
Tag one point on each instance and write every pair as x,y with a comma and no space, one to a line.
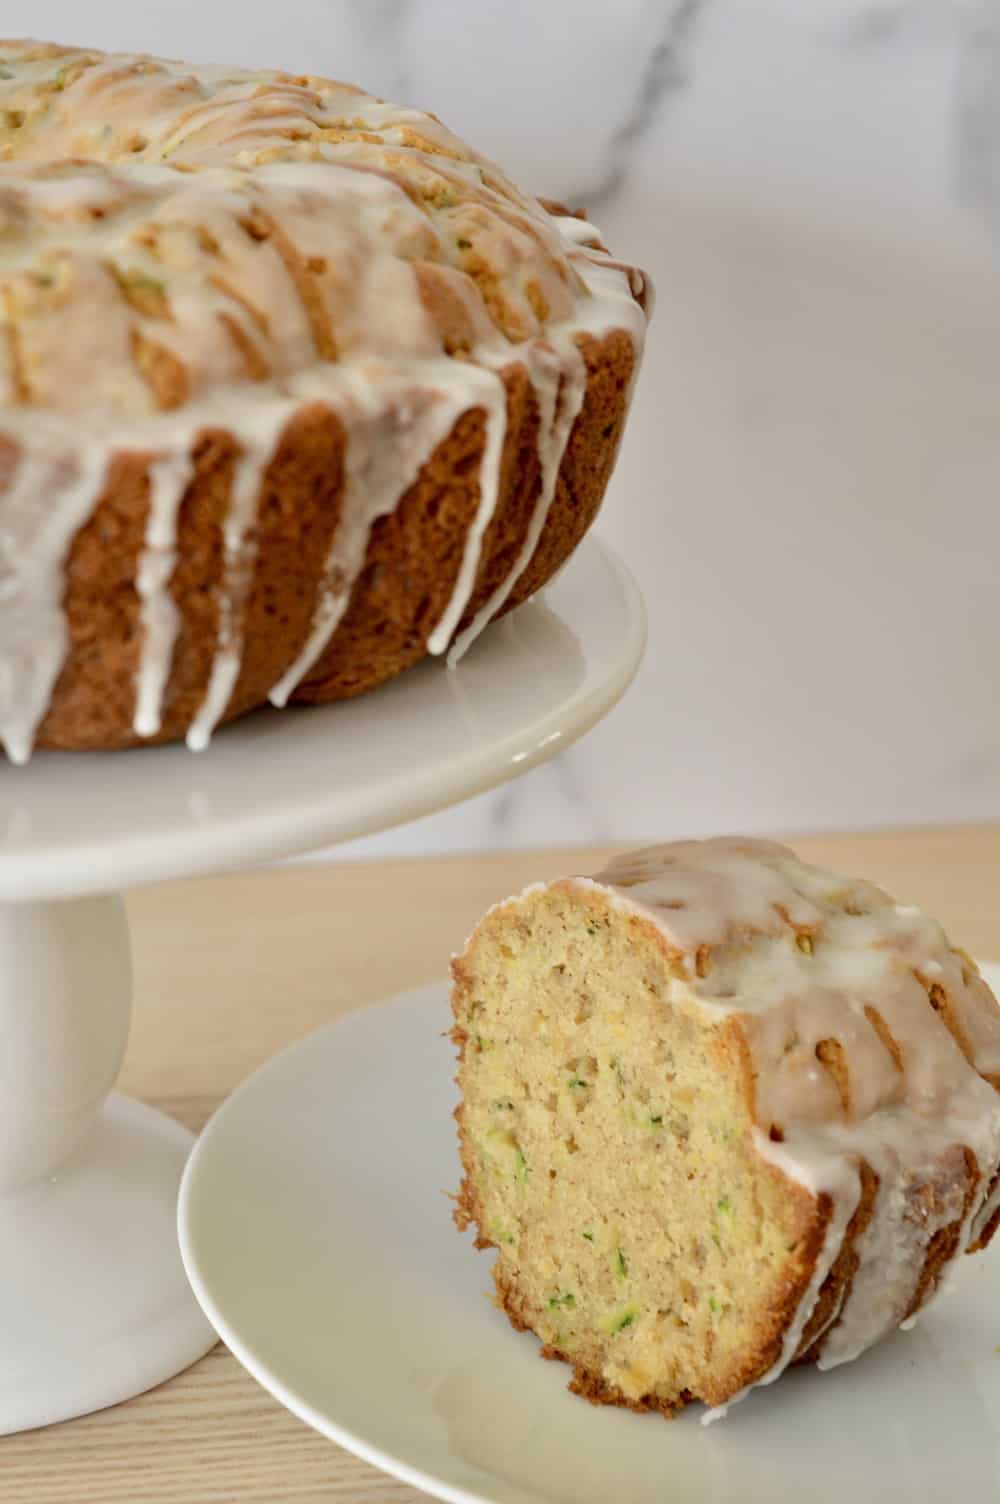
72,824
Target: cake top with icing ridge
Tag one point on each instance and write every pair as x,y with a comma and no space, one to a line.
168,229
852,1001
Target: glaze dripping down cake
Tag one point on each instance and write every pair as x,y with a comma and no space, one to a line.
294,388
720,1112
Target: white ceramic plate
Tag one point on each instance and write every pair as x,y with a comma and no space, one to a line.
317,1234
284,781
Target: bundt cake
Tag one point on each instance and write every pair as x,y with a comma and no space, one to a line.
720,1112
295,388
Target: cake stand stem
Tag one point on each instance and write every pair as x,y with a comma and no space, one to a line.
94,1306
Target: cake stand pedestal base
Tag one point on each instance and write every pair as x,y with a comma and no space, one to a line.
94,1304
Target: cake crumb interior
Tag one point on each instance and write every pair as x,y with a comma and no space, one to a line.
612,1155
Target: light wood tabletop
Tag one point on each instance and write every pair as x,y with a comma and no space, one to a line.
230,970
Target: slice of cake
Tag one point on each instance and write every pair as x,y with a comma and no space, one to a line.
721,1111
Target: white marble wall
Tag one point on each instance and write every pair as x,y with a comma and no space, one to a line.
810,491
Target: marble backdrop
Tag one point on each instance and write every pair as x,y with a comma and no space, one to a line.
809,490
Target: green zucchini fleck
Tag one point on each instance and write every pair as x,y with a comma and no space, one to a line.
142,280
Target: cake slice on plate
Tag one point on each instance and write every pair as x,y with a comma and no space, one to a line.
721,1112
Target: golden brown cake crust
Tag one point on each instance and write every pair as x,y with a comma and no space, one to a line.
410,566
387,628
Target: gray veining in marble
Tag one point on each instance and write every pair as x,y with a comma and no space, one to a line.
977,114
665,71
382,24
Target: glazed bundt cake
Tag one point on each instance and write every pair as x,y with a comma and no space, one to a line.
720,1112
295,388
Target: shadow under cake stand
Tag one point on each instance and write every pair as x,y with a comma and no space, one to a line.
94,1304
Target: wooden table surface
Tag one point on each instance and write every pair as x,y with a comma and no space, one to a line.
229,970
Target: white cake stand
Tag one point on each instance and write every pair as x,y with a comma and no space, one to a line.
94,1305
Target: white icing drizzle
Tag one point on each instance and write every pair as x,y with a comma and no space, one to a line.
282,180
169,477
983,1214
395,429
806,959
51,495
492,398
559,401
257,449
558,376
